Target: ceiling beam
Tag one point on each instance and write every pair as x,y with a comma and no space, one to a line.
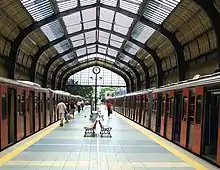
32,27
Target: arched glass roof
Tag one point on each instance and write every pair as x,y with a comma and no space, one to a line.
104,78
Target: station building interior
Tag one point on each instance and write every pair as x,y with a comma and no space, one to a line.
147,47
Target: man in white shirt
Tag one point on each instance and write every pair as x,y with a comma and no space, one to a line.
79,105
61,108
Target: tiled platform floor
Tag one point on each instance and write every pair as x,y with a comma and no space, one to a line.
65,148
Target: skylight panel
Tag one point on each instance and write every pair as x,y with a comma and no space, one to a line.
110,3
158,10
142,32
110,59
81,51
131,48
72,19
103,40
82,59
102,49
78,43
123,20
116,38
68,56
115,43
90,40
77,37
62,46
89,14
65,5
105,25
52,30
100,56
106,15
124,58
131,6
87,2
104,34
122,30
74,28
91,50
38,9
90,34
112,52
89,25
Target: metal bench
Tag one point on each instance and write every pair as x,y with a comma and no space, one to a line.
105,130
90,129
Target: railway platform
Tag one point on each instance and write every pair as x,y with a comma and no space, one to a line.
131,148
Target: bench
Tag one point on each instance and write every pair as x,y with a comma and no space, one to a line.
105,130
90,129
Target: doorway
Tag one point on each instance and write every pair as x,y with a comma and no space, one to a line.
44,108
210,124
12,115
159,113
177,117
23,115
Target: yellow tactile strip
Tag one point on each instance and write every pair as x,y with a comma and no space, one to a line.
94,164
176,152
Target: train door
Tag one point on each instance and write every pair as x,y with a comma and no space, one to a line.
162,112
134,107
137,107
44,109
143,109
169,117
32,110
210,124
12,115
36,112
198,112
153,113
20,118
184,117
39,110
158,114
4,117
177,116
190,119
148,110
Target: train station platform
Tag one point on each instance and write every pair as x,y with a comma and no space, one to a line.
131,147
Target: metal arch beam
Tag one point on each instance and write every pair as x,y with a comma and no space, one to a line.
89,64
128,85
46,70
15,46
214,16
45,47
121,61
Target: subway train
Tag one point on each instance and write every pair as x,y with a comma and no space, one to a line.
186,113
25,108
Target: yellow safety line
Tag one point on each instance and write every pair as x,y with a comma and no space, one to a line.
21,148
176,152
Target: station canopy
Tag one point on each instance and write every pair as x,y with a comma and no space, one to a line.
110,28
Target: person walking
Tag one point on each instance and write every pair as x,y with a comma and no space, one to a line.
79,106
108,105
82,104
61,109
72,106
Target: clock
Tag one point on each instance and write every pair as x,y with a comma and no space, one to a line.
96,70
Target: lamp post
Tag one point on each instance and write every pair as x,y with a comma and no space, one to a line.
96,71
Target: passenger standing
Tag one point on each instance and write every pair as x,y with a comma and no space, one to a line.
79,106
82,104
108,105
72,106
62,109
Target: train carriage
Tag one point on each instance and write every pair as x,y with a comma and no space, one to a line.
186,113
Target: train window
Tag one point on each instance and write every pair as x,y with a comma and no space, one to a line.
171,107
167,105
163,106
23,104
184,108
4,107
19,104
198,109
